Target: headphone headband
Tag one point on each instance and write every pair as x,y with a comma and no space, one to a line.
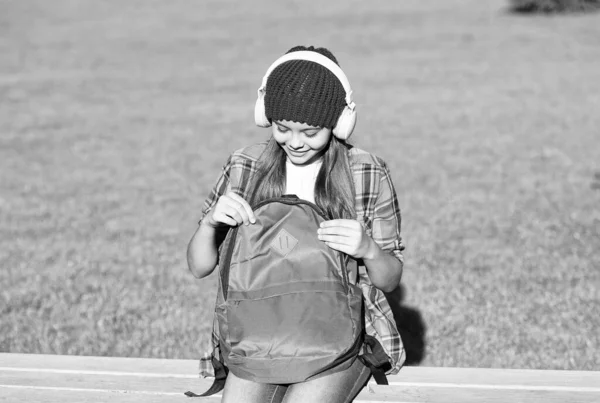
316,58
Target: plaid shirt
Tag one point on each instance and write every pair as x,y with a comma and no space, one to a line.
376,207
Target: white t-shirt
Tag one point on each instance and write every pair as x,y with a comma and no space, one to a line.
300,180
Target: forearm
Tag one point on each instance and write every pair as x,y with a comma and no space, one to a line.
384,269
202,252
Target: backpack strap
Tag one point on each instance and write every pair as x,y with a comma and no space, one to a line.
376,359
221,372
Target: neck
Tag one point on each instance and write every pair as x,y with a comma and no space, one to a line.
312,163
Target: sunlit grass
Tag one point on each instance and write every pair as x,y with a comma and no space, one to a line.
115,120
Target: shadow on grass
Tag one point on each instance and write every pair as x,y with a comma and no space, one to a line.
410,325
596,181
552,7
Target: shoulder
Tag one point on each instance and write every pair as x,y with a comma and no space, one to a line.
239,168
251,152
361,160
373,186
246,156
372,179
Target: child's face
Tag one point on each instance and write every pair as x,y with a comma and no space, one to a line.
302,143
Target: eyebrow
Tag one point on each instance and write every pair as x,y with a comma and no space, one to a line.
303,130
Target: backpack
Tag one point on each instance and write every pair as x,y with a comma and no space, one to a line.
286,308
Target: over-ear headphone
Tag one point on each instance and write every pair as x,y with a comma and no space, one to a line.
347,120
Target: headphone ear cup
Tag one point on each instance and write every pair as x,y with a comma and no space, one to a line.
260,116
345,124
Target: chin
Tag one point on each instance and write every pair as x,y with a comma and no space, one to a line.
299,160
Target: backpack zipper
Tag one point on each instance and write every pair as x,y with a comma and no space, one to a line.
284,200
294,200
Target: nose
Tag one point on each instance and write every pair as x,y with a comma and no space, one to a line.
295,142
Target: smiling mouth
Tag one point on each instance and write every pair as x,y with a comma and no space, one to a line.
296,153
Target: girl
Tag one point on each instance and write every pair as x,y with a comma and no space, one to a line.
306,99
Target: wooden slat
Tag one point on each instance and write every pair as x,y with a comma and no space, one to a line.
175,387
476,395
411,375
89,363
97,389
51,378
104,381
33,395
495,376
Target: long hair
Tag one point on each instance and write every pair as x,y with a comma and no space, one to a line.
334,186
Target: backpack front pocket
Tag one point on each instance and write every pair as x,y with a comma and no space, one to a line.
303,323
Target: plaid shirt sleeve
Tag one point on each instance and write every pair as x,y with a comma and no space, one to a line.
386,217
235,177
219,189
377,206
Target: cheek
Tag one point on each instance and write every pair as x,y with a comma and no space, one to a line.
319,143
279,137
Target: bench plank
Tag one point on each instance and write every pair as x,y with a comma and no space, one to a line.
50,378
99,392
380,394
91,363
189,368
84,396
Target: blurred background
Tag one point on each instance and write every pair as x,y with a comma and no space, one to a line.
117,116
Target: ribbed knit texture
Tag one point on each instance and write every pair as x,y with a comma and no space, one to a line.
305,92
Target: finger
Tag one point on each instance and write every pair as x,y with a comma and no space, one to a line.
340,230
337,231
340,223
234,208
334,239
339,247
245,205
222,218
236,216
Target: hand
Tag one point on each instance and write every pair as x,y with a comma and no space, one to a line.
347,236
230,210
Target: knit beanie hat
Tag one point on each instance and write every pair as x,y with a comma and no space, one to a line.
305,92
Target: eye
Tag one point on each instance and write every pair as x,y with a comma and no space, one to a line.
311,133
282,129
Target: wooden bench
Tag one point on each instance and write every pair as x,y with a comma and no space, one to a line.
54,378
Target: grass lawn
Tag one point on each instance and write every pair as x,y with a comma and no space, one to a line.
116,117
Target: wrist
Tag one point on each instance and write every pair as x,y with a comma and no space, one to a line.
207,227
372,250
